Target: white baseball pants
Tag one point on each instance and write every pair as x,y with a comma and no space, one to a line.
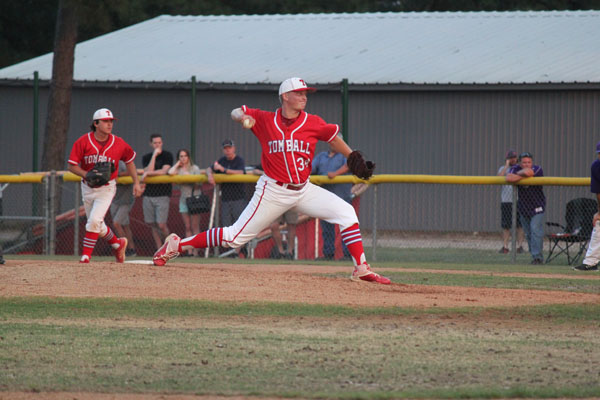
270,201
96,202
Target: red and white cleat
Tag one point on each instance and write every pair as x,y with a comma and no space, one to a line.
363,273
167,251
120,251
84,260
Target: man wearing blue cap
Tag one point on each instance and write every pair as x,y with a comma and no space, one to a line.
592,257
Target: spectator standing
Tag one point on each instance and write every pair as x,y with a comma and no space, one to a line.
290,218
157,195
233,195
506,207
119,211
185,166
531,205
100,145
332,164
592,256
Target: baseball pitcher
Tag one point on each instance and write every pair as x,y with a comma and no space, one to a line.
288,138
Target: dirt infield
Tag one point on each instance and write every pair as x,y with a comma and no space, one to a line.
307,284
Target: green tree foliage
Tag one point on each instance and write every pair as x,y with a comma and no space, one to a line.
27,26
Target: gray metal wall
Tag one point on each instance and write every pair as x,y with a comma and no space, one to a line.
450,132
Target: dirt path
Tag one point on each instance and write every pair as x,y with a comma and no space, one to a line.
251,283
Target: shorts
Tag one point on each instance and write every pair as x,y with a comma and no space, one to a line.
120,213
290,217
506,211
183,208
156,209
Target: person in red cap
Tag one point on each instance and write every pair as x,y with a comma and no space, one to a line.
288,137
100,145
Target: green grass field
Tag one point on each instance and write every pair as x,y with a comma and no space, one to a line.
153,346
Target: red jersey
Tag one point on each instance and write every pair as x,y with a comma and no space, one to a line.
288,151
87,151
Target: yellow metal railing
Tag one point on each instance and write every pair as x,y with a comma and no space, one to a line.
321,179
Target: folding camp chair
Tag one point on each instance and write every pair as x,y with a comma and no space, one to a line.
574,237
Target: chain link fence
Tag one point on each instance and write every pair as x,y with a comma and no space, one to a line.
414,220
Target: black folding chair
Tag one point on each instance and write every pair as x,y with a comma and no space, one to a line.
575,235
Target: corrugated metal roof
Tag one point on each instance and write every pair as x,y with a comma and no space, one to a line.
370,48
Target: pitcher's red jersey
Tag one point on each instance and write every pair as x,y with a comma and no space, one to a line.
288,151
87,151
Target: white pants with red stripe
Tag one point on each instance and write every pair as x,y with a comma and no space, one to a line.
270,201
96,202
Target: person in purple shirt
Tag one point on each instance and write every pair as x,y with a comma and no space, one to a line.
592,257
531,204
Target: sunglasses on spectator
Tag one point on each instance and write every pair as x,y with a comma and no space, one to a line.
525,155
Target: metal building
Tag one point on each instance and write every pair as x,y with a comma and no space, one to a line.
428,93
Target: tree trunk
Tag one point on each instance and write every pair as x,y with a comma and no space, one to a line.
59,101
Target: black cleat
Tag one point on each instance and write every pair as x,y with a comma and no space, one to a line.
584,267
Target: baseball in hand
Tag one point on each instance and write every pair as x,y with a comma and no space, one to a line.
247,123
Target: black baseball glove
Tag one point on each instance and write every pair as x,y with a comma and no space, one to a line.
100,174
359,166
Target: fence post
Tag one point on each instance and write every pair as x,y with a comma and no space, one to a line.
374,236
52,214
193,119
217,212
317,222
45,201
76,220
211,219
513,229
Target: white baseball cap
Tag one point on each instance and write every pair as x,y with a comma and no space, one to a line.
294,85
103,114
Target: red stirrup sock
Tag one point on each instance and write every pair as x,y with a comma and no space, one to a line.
210,238
89,242
111,237
353,241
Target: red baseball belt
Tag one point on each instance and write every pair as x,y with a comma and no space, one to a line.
291,186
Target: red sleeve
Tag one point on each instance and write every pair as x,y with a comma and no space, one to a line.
264,120
327,132
253,112
128,154
76,152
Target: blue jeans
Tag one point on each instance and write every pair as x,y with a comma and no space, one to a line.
328,235
534,232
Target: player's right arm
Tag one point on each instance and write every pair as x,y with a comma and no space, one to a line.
238,115
76,156
77,170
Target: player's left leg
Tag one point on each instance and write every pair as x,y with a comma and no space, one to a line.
320,203
99,208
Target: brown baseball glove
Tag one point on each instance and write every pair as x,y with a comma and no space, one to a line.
359,166
100,174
